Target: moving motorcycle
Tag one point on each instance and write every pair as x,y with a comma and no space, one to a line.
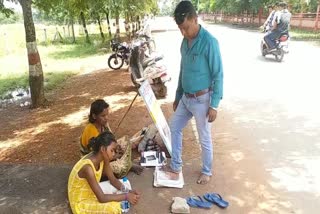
281,47
145,67
121,54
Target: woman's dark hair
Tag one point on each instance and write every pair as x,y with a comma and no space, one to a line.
270,6
184,9
103,139
96,108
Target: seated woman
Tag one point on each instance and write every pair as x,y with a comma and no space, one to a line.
84,192
98,123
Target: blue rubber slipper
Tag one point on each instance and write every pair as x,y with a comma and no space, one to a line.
198,202
215,198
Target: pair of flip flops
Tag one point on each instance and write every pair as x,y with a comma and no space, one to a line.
211,199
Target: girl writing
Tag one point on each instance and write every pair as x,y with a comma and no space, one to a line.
84,192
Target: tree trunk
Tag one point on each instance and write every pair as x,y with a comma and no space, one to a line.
100,28
117,26
139,23
127,27
132,26
35,67
108,21
73,34
84,26
317,17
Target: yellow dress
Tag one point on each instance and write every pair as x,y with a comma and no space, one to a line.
81,197
89,132
120,167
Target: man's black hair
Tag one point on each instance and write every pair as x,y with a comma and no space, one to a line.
283,5
184,9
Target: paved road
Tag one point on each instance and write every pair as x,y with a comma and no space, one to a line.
270,112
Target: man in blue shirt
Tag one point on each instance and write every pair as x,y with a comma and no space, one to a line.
199,89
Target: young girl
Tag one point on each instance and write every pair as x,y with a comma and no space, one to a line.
98,123
85,194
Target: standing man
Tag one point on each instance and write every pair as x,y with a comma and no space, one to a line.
199,89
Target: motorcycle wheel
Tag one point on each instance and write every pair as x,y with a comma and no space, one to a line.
279,56
115,61
263,49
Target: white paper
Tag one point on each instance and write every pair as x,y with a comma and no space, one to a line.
156,114
161,179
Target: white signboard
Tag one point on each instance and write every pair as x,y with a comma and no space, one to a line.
156,114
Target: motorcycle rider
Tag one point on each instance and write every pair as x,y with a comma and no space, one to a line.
281,26
267,25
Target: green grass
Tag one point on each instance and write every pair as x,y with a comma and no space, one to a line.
298,34
11,83
59,60
54,80
80,49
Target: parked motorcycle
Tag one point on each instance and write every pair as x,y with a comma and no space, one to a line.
282,45
121,54
145,67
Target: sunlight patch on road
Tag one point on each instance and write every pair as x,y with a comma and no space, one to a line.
11,143
76,118
305,176
237,156
237,200
30,132
27,135
120,100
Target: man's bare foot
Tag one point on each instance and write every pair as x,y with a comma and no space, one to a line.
136,168
173,175
203,179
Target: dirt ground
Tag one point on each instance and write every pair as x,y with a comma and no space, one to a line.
39,147
51,135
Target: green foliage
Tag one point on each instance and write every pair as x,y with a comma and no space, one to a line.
313,5
13,18
241,6
7,12
168,7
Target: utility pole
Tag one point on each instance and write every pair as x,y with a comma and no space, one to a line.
317,17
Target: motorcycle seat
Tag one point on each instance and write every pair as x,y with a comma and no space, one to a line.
283,38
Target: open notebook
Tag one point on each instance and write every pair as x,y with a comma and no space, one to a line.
152,158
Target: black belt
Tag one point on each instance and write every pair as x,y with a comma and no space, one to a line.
198,93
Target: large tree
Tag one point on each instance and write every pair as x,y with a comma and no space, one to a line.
35,67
